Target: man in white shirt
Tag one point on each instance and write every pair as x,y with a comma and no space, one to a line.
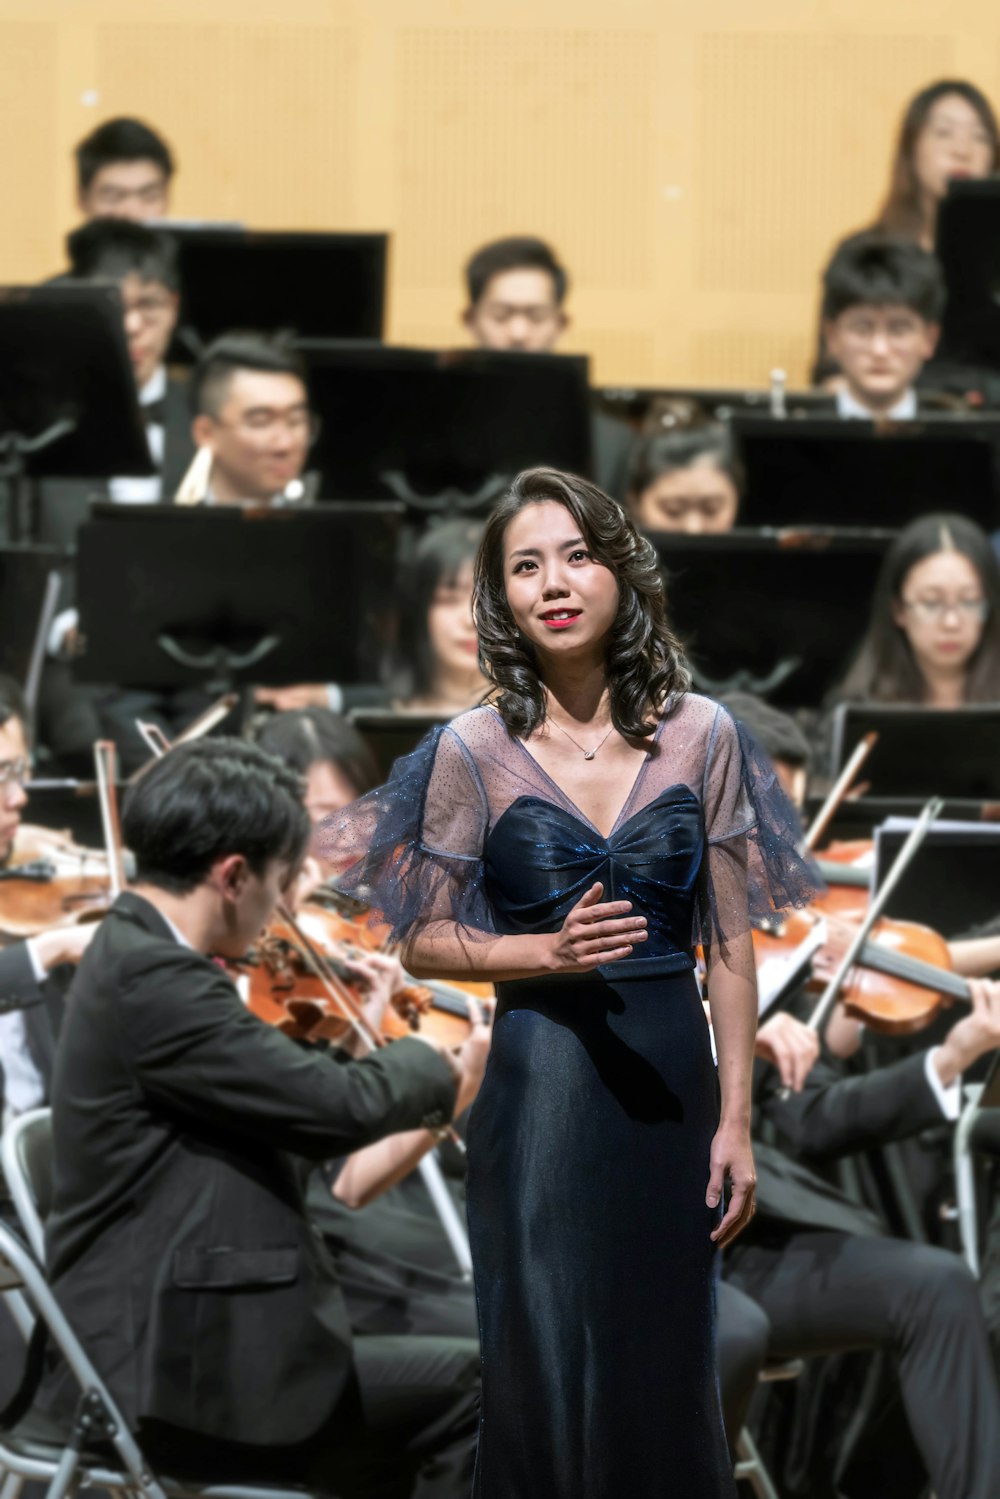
882,305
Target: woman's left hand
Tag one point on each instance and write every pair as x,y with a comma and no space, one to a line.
732,1160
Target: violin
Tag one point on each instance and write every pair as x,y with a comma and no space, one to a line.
50,881
899,981
284,989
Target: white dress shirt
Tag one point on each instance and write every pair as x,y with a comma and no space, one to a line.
905,409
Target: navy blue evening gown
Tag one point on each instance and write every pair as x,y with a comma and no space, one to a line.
589,1142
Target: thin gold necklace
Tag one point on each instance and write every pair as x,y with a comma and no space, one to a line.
586,753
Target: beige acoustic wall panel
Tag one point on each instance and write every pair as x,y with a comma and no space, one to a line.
28,95
794,138
523,132
262,115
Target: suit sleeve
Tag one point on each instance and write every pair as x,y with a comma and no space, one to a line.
195,1051
19,985
835,1116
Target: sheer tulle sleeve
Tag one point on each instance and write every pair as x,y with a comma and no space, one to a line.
413,848
753,866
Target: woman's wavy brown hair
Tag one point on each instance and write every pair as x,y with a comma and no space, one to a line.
645,664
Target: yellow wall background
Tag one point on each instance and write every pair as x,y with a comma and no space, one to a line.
692,160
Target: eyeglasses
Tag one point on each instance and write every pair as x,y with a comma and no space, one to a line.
931,610
150,309
14,772
262,422
894,330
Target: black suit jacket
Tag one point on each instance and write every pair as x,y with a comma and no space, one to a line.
833,1116
178,1242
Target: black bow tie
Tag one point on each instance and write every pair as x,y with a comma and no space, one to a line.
154,413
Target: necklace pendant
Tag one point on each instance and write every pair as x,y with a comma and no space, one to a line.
589,754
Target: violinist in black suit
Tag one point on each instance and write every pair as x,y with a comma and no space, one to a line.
183,1126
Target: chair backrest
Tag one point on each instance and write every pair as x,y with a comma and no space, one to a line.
26,1150
19,1269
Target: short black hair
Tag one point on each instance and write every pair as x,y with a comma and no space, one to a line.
874,269
776,732
235,351
206,800
12,704
122,139
666,452
518,253
310,736
109,249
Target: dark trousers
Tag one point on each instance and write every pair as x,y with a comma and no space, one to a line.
830,1293
742,1338
406,1426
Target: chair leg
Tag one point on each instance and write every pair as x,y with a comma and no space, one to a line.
750,1467
11,1487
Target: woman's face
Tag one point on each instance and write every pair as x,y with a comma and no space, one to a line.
327,790
562,599
699,499
953,143
942,611
450,628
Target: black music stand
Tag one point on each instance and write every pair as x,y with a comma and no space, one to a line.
697,405
68,401
227,596
837,472
968,247
390,733
443,432
769,613
923,752
312,285
953,883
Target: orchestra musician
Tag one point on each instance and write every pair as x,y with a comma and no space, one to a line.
687,481
516,290
821,1266
933,635
948,130
882,304
34,971
124,170
434,667
182,1126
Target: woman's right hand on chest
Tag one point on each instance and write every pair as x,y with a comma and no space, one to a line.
595,932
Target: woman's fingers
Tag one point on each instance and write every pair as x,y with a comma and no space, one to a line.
738,1215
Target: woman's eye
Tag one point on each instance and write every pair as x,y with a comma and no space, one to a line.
580,553
520,566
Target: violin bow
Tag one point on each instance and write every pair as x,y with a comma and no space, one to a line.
840,789
106,763
932,811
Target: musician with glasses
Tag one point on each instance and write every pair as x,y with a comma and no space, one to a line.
933,636
124,169
252,416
